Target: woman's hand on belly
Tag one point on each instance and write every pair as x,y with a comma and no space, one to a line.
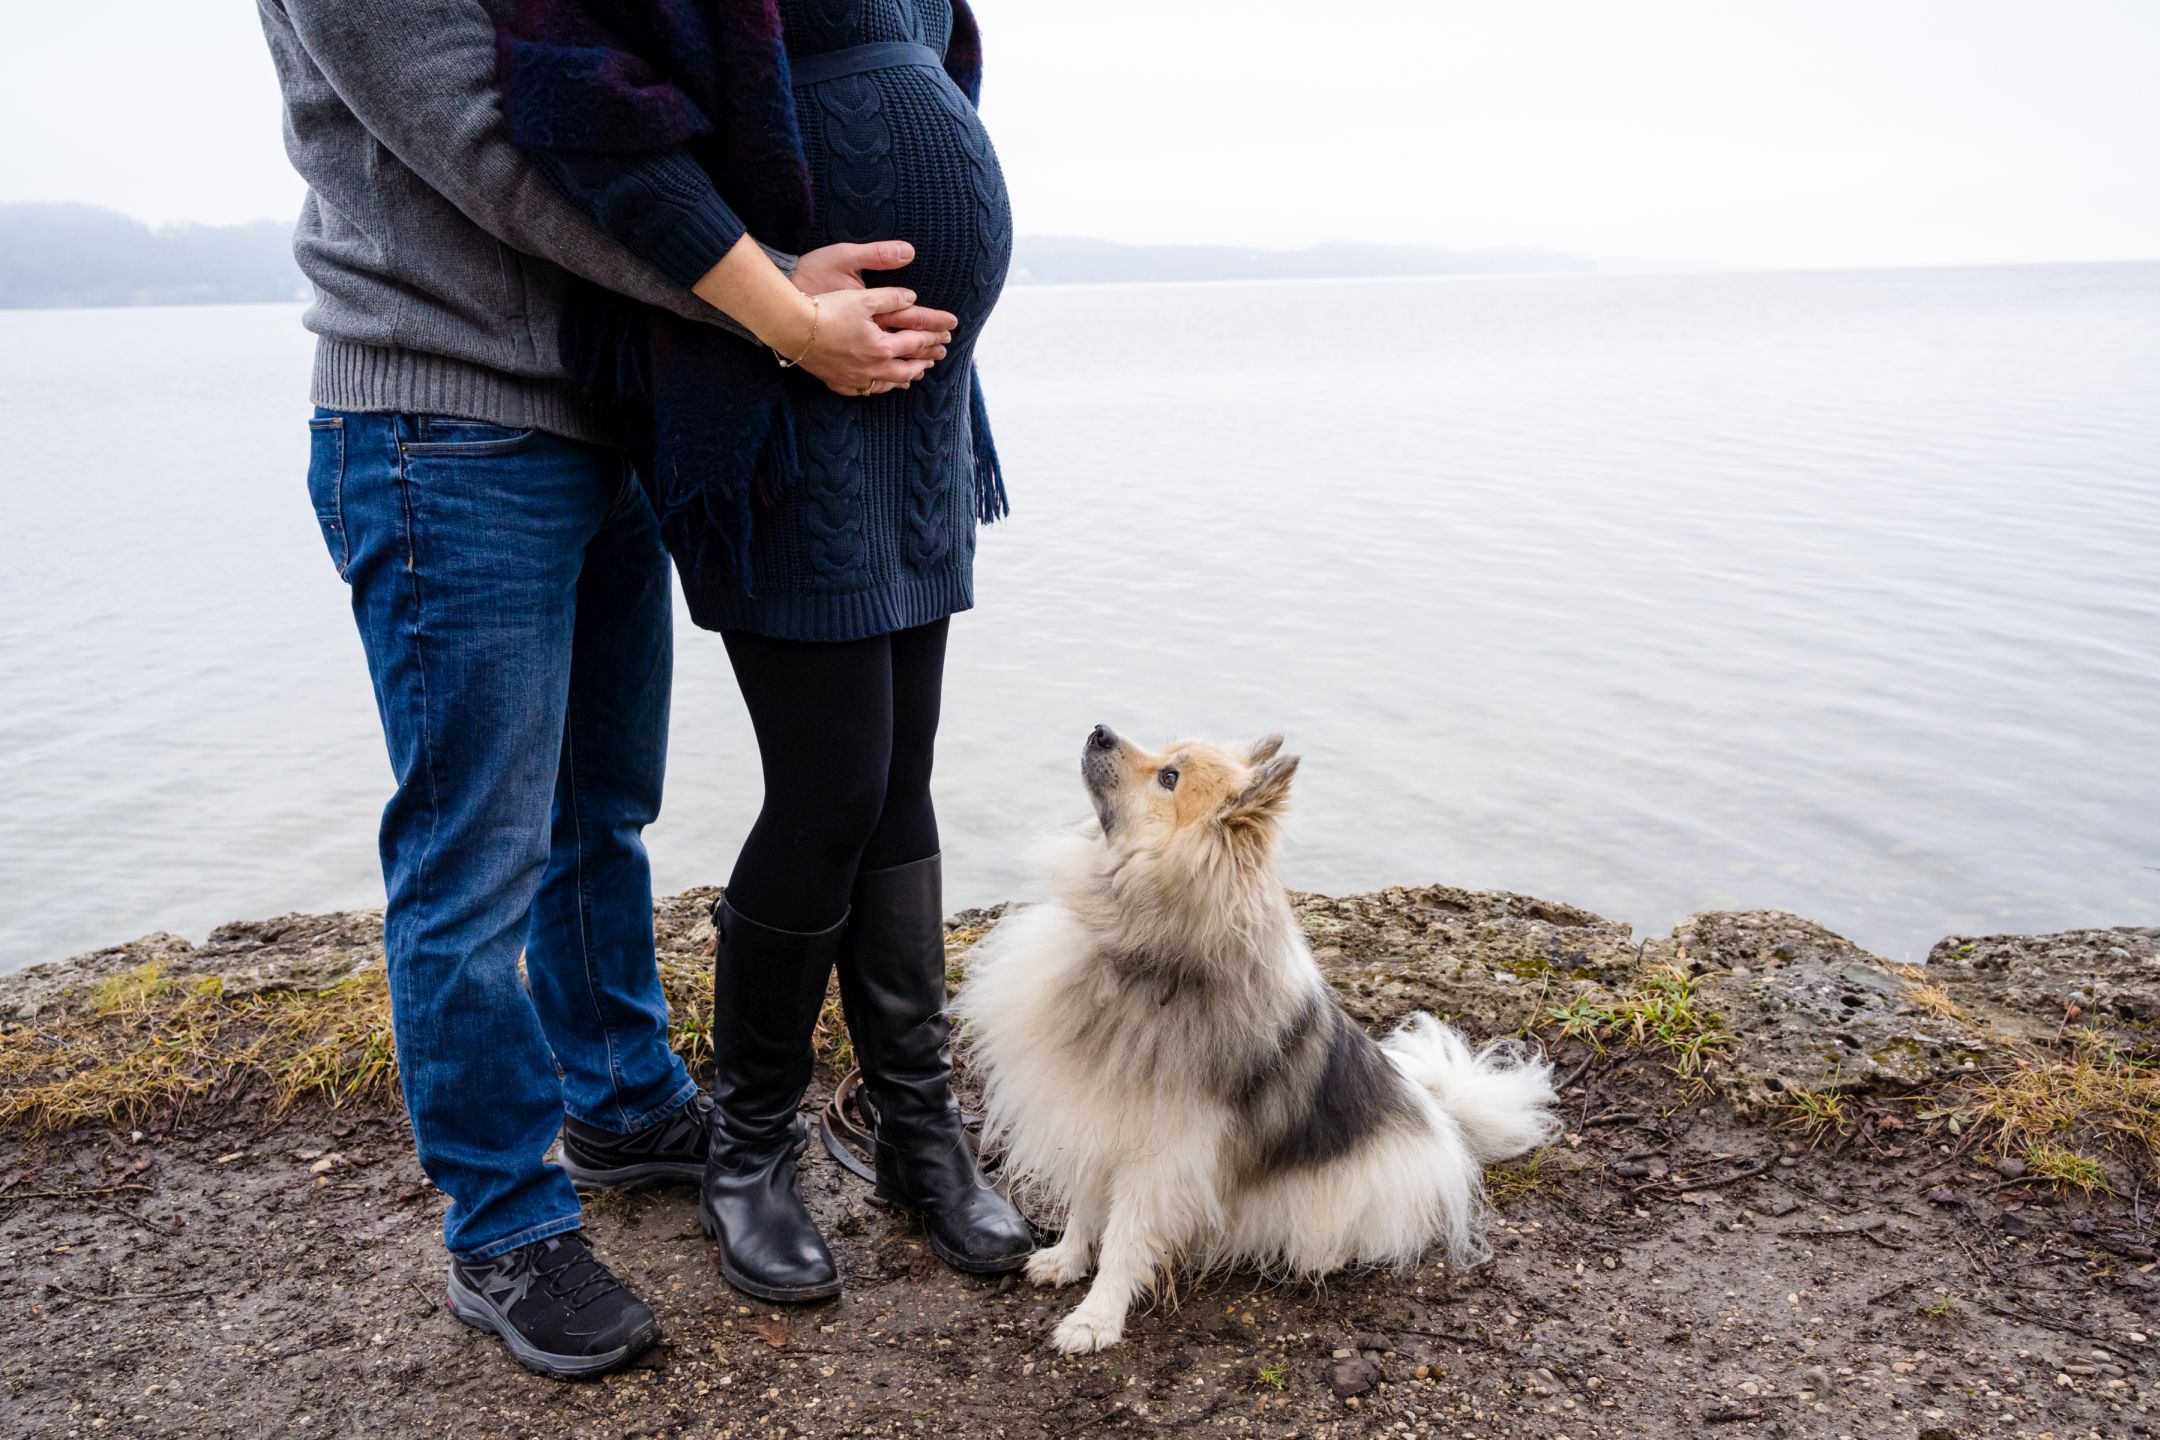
849,337
854,352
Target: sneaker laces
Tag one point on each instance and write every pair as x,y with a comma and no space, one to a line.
569,1267
690,1121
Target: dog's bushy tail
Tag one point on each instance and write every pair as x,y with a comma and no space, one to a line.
1500,1095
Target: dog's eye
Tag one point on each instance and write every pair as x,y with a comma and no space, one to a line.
1167,779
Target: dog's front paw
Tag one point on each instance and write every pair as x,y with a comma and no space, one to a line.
1061,1264
1084,1332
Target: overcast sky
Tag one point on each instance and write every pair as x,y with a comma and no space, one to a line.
1770,132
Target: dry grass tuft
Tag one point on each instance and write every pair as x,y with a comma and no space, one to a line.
961,937
2059,1165
1924,992
1819,1113
2067,1111
1664,1016
830,1042
687,983
1516,1180
151,1045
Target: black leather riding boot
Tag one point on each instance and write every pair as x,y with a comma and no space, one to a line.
768,986
892,984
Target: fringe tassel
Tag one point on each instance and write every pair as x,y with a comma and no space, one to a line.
991,503
710,514
779,465
604,346
707,527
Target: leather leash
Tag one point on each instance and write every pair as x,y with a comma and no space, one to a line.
842,1127
848,1127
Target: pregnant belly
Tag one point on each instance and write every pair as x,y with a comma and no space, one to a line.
901,154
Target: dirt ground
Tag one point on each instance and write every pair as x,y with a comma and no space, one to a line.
1667,1271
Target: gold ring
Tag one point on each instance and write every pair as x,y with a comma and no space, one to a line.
869,389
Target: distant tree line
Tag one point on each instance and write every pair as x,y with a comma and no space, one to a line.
71,255
74,255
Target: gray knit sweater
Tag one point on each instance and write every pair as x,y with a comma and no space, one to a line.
436,248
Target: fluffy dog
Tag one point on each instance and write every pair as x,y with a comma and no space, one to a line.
1162,1058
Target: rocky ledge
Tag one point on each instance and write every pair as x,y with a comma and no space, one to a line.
1788,1008
1802,1193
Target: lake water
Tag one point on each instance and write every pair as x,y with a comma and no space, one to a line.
1833,592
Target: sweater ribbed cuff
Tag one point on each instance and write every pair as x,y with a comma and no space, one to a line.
689,227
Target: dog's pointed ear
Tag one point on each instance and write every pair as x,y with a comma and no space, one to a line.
1263,749
1265,795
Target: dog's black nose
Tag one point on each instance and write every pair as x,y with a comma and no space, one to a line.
1102,737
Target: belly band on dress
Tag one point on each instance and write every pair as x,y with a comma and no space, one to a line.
858,59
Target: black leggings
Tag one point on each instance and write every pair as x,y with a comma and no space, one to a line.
845,731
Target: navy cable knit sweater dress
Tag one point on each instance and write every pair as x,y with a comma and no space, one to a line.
880,533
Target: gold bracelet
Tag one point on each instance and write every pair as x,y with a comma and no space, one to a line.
817,309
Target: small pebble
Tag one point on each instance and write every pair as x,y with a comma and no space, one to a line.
1352,1377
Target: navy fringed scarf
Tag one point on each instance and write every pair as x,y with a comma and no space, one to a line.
705,412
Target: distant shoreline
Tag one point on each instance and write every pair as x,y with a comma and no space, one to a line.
1030,283
83,257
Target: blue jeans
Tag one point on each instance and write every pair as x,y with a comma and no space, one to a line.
512,594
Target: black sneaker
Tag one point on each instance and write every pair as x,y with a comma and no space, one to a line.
556,1306
669,1149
